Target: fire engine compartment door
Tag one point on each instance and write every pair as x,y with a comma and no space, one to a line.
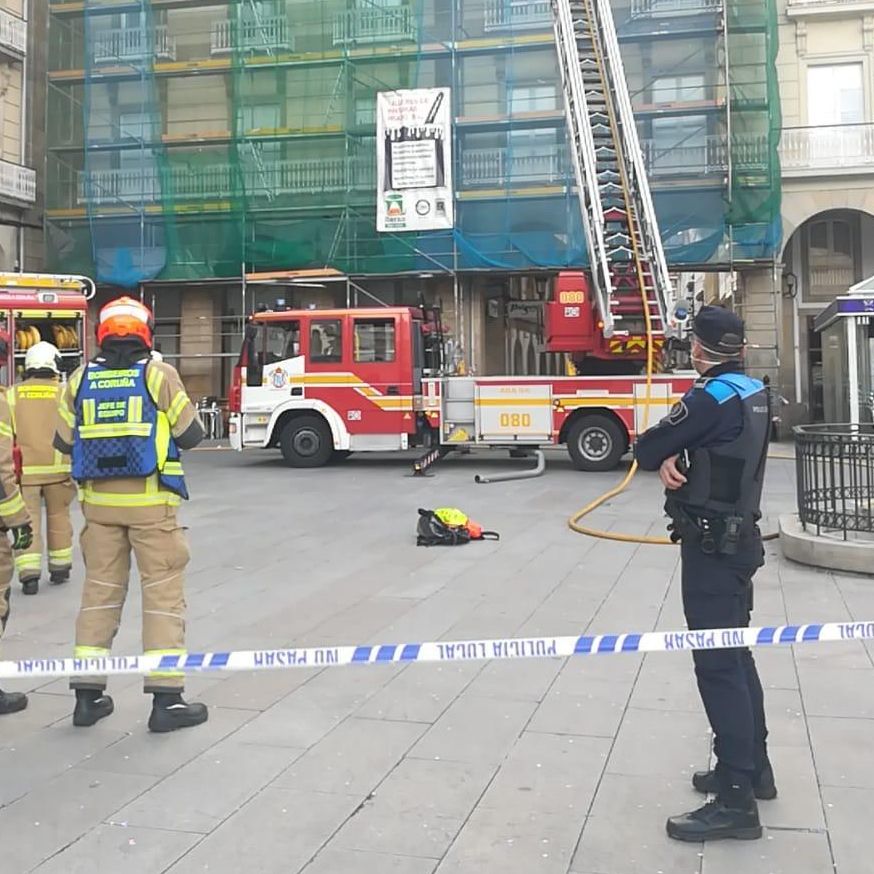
514,413
659,405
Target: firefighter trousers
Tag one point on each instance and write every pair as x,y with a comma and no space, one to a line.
162,555
6,573
59,529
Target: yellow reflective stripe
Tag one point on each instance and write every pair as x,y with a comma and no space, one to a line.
89,411
42,469
89,652
135,408
176,407
28,561
172,468
120,429
154,379
150,498
12,505
66,415
61,556
5,430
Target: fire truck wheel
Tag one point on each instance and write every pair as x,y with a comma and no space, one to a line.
596,443
340,455
306,441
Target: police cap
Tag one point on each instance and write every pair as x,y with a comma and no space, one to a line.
719,330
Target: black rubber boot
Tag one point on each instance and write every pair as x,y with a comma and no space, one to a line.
732,814
92,705
56,578
12,702
30,587
171,712
764,787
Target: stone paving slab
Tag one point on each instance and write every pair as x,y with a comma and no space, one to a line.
536,766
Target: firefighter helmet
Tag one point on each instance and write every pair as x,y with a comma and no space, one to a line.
125,317
43,356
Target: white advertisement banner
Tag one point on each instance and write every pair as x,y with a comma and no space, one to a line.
414,160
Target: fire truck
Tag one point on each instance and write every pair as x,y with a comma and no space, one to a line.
320,384
42,306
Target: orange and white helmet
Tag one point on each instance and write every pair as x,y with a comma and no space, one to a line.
125,317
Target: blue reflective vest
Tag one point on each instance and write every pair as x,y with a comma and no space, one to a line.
120,432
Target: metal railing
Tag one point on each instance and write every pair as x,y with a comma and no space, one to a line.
13,32
504,165
17,182
262,35
821,5
835,478
130,44
669,8
375,25
517,15
828,147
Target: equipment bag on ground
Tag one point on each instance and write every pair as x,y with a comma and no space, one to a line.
449,527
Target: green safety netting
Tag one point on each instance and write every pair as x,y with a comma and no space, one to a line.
189,145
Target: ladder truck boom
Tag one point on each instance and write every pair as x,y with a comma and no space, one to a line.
626,256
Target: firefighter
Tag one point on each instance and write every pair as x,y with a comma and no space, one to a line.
125,418
14,518
710,452
45,472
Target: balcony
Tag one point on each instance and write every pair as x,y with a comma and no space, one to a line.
507,166
375,26
267,35
126,44
839,149
828,8
13,33
218,181
703,158
517,15
17,183
673,8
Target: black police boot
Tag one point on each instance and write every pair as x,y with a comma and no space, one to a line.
12,702
732,814
30,587
56,578
92,705
764,787
170,712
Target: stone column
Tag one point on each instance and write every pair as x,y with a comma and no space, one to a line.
200,332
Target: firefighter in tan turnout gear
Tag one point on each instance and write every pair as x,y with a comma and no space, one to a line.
45,471
124,418
13,518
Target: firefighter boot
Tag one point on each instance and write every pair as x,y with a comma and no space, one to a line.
58,577
732,814
12,702
170,711
764,787
92,705
30,587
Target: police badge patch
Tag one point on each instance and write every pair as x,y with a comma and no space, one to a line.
679,412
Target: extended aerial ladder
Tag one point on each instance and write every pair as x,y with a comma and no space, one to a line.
619,220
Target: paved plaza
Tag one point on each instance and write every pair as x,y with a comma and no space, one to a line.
536,767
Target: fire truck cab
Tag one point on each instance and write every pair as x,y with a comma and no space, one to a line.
319,384
41,306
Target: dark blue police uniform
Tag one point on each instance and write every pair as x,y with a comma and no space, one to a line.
720,430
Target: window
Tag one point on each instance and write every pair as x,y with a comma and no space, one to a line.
835,95
533,98
326,341
374,340
679,89
281,342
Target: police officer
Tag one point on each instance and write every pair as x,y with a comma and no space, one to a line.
45,472
125,416
14,518
710,453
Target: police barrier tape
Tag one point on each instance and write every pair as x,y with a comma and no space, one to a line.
499,649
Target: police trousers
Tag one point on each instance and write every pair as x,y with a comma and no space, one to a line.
161,551
718,593
59,529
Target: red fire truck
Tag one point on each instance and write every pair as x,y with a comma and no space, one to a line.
42,306
319,384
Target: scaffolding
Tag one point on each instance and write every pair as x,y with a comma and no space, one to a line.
186,145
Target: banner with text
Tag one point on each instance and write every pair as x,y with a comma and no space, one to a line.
414,160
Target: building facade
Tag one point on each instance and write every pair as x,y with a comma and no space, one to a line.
22,53
193,142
